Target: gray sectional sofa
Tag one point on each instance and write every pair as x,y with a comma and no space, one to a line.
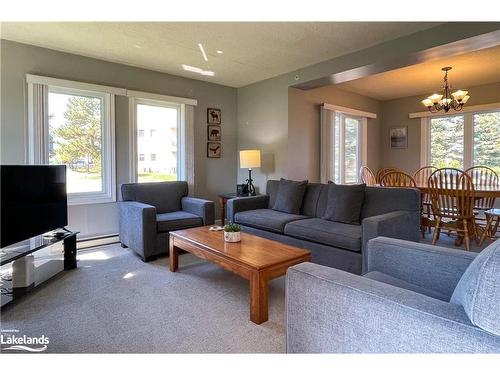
419,298
390,212
149,211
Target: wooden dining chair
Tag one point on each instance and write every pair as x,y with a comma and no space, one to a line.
421,176
401,179
487,178
452,197
383,171
397,179
484,178
366,175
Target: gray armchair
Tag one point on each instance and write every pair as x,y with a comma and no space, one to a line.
149,211
414,298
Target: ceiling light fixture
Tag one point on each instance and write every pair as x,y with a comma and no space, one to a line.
195,69
444,101
203,51
220,52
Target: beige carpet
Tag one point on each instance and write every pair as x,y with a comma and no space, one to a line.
114,302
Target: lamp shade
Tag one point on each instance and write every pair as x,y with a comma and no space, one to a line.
249,158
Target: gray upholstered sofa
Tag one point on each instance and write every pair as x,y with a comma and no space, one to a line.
149,211
414,298
391,212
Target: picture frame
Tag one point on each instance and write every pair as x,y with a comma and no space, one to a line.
214,116
214,150
398,137
214,133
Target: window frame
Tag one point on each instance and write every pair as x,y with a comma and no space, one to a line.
133,135
39,151
425,131
327,138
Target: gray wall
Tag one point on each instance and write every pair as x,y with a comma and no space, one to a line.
395,114
304,128
263,107
212,175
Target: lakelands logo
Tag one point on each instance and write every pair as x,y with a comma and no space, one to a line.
25,343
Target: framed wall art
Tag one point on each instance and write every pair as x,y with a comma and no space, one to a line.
214,116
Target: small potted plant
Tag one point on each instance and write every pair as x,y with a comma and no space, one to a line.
232,233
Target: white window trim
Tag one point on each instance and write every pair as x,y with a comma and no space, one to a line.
425,133
327,169
38,134
185,148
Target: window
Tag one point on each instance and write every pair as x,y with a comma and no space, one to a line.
447,142
343,143
346,149
73,125
486,148
161,121
169,122
462,141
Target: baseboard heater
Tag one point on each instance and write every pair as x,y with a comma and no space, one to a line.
90,242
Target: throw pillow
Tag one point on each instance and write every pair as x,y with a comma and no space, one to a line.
344,203
290,195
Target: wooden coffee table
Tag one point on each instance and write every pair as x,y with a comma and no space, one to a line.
256,259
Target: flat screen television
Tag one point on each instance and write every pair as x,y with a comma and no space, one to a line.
33,201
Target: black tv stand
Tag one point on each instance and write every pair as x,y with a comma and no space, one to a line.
50,259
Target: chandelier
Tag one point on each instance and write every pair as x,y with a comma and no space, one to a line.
445,101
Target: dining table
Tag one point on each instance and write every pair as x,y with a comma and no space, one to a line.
480,192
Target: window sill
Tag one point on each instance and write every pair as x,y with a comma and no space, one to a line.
80,200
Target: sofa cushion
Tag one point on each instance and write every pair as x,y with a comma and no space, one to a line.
387,279
177,220
344,203
330,233
478,291
266,219
290,196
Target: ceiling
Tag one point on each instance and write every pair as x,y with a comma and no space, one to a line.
252,51
470,69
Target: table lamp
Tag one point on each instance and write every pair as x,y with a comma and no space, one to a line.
250,159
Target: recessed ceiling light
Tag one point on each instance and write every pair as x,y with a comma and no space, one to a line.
220,52
137,45
195,69
203,51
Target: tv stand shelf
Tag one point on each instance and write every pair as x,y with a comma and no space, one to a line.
48,266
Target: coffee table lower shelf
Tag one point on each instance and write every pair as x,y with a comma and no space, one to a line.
258,277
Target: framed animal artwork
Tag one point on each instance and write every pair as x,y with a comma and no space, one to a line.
214,150
214,133
214,116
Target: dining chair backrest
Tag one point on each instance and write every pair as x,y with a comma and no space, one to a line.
484,178
421,176
366,175
383,171
452,193
397,179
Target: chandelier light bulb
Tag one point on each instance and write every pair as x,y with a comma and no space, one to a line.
435,98
427,102
459,95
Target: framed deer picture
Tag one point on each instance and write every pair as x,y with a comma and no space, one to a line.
213,133
214,116
214,149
